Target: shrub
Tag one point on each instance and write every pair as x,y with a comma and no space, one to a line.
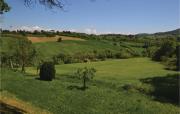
68,59
171,63
143,88
59,39
47,71
149,52
101,56
123,54
167,49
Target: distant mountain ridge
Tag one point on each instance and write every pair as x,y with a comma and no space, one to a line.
173,32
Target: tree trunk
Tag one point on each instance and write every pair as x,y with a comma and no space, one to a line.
84,83
11,64
23,68
37,71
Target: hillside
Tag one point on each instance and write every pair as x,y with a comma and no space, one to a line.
173,32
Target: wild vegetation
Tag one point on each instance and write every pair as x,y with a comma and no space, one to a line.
97,75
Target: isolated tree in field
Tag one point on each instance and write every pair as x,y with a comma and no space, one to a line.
25,52
85,74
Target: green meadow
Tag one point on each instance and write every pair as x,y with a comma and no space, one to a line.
121,86
49,49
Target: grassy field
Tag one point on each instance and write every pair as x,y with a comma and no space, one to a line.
47,49
10,102
120,87
71,47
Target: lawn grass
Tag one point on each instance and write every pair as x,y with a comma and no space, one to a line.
105,94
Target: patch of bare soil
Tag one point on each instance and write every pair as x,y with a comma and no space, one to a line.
52,39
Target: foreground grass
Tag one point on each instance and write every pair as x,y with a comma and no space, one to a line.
104,95
10,104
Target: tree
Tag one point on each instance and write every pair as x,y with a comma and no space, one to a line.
8,52
85,74
25,52
47,71
178,58
166,50
17,52
4,7
49,3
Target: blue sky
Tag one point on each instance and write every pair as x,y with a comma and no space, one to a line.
100,16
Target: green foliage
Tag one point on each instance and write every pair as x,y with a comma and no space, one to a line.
168,53
167,49
4,7
94,55
149,52
47,71
85,74
25,52
16,52
178,58
171,63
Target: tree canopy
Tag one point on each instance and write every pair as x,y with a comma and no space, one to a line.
4,7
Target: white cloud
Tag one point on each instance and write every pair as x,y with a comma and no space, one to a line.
90,31
29,28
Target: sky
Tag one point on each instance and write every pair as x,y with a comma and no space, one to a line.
96,17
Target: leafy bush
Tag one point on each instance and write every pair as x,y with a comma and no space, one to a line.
47,71
123,54
143,88
167,49
149,52
171,63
